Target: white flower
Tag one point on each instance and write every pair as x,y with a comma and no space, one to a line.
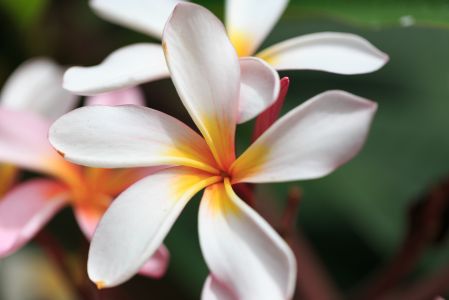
246,257
248,22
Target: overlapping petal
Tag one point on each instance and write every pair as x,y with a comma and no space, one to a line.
244,254
310,141
26,209
271,114
118,180
132,96
336,52
128,136
125,67
88,217
214,290
157,265
36,87
146,16
122,243
259,87
23,142
249,22
206,73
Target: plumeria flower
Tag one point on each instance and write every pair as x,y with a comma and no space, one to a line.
246,257
23,142
248,22
39,78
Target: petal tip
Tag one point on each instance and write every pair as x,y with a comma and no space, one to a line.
67,79
100,284
367,102
60,153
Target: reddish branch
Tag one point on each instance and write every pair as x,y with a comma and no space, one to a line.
426,225
427,289
313,282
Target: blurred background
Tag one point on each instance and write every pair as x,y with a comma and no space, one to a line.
371,230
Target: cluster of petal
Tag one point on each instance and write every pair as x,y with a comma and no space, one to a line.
32,98
309,142
43,81
248,23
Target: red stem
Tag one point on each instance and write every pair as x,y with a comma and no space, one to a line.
426,223
313,282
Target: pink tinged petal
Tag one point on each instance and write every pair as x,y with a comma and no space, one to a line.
271,114
264,267
128,136
250,21
335,52
206,73
146,16
125,67
26,209
23,142
259,87
310,141
36,86
214,290
136,223
132,96
87,220
155,267
119,180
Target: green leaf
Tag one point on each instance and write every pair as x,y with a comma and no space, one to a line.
376,12
24,12
406,151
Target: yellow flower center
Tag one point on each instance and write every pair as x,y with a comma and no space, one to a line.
242,43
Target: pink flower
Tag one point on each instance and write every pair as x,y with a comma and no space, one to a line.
30,101
42,78
246,257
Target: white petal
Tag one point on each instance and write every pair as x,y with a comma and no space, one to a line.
250,21
132,95
146,16
127,136
243,252
36,86
335,52
125,67
259,87
136,223
310,141
88,218
205,70
214,290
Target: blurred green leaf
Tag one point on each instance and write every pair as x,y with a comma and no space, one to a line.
377,12
356,217
406,151
24,12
